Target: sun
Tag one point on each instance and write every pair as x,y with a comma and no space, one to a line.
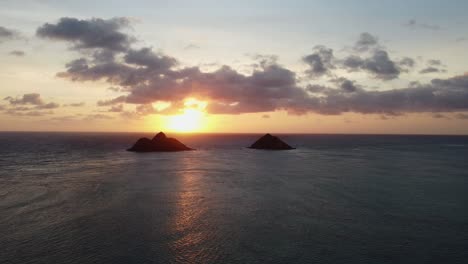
190,120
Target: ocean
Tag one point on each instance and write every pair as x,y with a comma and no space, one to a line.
81,198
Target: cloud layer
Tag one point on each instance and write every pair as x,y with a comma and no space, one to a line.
145,77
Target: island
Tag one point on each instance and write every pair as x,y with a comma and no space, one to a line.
269,142
159,143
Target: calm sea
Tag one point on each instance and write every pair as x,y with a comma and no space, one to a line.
81,198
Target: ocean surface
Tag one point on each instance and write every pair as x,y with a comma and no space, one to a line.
81,198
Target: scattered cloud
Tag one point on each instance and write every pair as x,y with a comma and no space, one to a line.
440,116
407,62
118,100
17,53
431,70
433,66
116,108
85,34
80,104
8,34
378,64
28,113
32,98
29,105
413,24
434,62
319,62
191,46
366,42
93,117
462,116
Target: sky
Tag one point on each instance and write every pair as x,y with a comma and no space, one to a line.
378,67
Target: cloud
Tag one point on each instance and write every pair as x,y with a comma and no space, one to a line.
413,24
29,102
146,57
366,42
116,108
378,64
145,77
462,116
433,67
407,62
117,100
93,117
89,34
28,113
434,62
48,106
430,70
17,53
80,104
346,85
440,116
191,46
319,62
32,98
8,34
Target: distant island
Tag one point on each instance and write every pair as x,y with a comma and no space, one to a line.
159,143
269,142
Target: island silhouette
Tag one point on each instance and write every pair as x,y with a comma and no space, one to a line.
269,142
159,143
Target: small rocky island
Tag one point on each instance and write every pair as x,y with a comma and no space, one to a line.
160,143
270,142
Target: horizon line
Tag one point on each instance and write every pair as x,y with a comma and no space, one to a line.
226,133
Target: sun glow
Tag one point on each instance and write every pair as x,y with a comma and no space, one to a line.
191,119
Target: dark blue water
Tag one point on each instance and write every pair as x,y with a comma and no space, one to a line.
81,198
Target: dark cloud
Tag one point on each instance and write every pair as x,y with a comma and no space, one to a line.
32,99
48,106
366,42
92,33
433,66
413,24
146,57
29,102
378,64
346,85
407,62
441,95
431,70
17,53
319,62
